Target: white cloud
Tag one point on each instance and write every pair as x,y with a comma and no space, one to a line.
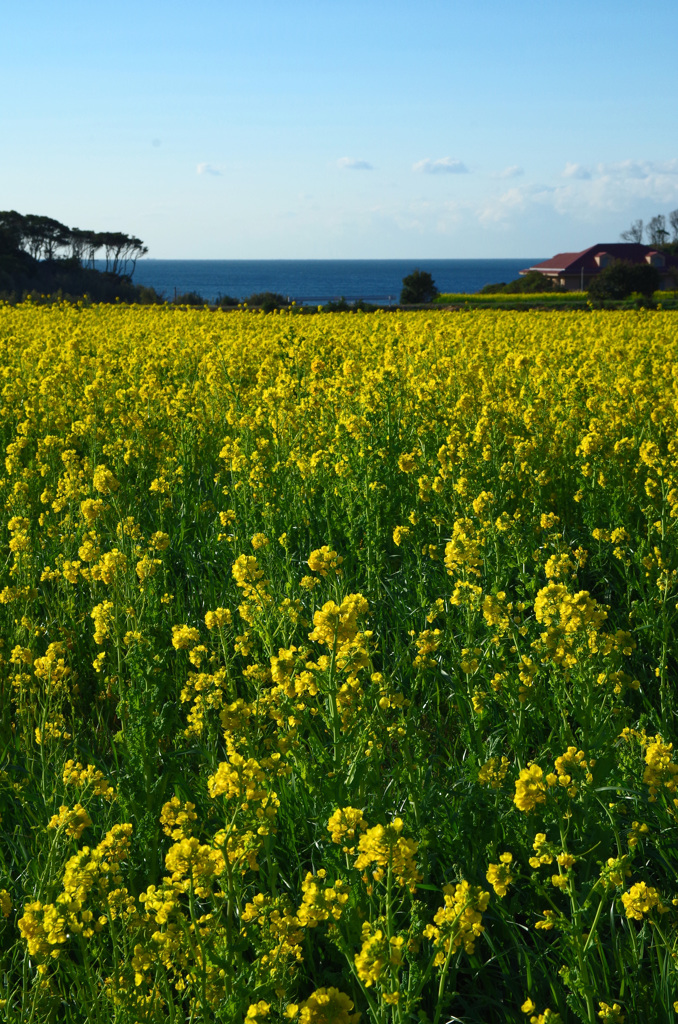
444,165
577,171
623,187
347,163
208,169
499,209
514,171
622,170
606,191
639,169
664,166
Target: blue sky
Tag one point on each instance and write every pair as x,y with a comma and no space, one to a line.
327,129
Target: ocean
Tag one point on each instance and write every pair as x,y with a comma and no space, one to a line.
314,282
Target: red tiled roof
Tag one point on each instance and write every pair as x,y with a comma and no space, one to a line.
574,262
558,262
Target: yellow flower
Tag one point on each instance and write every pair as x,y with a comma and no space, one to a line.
344,823
92,509
640,900
499,875
219,618
184,636
194,864
530,788
493,772
104,481
378,952
73,820
327,1006
147,567
458,922
636,831
465,549
338,622
611,1014
323,561
258,1011
615,871
384,847
5,903
321,902
407,463
176,818
75,775
547,1017
660,771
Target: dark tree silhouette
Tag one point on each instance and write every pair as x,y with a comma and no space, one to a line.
656,230
41,254
418,288
44,238
621,279
634,233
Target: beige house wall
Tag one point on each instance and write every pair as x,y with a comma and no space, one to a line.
572,282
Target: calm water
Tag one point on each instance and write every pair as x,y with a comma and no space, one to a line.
317,281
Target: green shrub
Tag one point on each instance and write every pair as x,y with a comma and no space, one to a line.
418,288
620,279
268,301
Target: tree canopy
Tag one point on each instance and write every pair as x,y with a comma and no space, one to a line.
418,288
656,231
532,282
621,279
46,239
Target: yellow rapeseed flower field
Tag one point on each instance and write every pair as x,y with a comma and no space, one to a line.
338,666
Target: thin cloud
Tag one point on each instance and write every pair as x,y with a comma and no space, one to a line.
577,171
517,200
622,170
208,169
443,165
664,166
633,169
638,169
608,189
347,163
514,171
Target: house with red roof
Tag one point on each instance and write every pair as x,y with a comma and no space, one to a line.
574,270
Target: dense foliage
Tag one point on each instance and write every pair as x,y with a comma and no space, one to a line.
418,288
529,283
622,278
338,666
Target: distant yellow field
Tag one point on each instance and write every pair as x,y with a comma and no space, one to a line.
530,298
338,661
